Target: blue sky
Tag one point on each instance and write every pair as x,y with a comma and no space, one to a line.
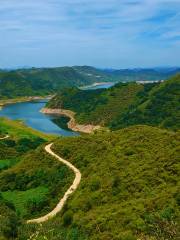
102,33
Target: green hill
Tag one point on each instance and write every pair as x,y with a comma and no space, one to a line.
129,187
125,104
37,81
130,177
158,107
44,81
31,181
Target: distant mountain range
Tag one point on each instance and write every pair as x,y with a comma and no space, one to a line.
43,81
129,188
158,73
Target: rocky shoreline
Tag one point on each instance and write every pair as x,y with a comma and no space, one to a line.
89,128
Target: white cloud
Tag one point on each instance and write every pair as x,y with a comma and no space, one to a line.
107,27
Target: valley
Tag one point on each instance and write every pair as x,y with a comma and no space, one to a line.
118,182
41,82
89,120
124,104
129,186
71,189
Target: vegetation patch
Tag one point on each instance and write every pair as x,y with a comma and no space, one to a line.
129,187
125,104
23,200
7,163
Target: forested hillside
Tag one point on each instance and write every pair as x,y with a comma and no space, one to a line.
125,104
158,107
44,81
129,187
38,81
31,182
130,177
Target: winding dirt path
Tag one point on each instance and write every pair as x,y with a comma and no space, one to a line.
71,189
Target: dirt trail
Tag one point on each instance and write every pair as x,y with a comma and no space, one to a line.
71,189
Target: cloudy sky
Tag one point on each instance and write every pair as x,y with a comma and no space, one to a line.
102,33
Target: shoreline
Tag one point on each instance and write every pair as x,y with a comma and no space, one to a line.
21,100
89,128
94,85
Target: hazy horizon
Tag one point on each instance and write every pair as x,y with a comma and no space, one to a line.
100,68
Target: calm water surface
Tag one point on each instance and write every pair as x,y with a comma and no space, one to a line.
30,113
104,85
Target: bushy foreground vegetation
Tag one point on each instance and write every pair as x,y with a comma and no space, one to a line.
31,181
125,104
9,221
129,187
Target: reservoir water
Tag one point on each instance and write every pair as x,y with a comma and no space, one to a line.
98,86
30,113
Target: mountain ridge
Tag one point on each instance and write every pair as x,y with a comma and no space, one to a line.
124,104
45,81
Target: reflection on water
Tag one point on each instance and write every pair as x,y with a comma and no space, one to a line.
98,86
30,113
61,121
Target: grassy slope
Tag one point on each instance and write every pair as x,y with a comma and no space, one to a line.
41,171
17,129
20,198
125,104
31,181
43,81
21,140
129,187
158,107
25,168
9,221
12,150
97,106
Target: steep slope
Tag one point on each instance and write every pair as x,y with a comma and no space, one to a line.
31,180
38,81
158,107
97,106
43,81
129,187
125,104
